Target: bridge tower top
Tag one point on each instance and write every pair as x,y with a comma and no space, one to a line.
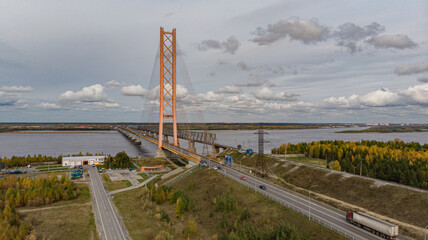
167,87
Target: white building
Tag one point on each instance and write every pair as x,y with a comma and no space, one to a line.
83,160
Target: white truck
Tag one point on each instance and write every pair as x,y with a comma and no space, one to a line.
376,226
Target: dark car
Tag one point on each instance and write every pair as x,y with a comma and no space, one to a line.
263,187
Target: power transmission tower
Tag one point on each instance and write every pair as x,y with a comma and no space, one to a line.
261,168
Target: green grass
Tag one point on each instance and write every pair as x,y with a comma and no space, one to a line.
152,161
66,223
114,185
72,219
144,176
143,219
313,161
390,201
54,169
50,166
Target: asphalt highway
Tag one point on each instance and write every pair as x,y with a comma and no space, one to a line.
333,217
111,226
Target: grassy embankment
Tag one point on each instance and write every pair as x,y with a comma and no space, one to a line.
153,161
114,185
145,220
349,193
68,220
390,129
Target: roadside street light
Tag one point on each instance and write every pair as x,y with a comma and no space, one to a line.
309,204
240,165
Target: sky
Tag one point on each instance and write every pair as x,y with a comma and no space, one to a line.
238,61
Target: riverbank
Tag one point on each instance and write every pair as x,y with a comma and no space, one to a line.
390,129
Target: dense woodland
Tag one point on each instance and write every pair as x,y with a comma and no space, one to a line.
24,191
397,161
15,161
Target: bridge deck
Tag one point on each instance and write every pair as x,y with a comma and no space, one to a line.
169,147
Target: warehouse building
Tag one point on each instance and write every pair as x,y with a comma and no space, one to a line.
83,160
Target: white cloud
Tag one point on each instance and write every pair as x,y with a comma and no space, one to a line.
50,106
113,84
94,93
392,41
411,69
229,89
267,94
413,96
134,90
416,95
307,31
15,89
381,98
210,97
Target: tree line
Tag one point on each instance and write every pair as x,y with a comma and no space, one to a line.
24,191
396,161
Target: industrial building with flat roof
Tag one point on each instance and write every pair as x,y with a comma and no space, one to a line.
83,160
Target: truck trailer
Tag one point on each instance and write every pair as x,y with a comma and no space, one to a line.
376,226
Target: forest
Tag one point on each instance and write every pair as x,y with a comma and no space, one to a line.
28,192
396,161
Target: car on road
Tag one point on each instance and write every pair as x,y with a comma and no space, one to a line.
263,187
243,178
215,168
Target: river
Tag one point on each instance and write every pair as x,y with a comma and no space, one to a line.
112,142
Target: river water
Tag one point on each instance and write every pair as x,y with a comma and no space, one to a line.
112,142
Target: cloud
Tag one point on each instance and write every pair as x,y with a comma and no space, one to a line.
210,97
51,106
267,94
231,45
243,66
413,96
94,93
352,32
16,89
229,89
423,79
411,69
181,91
254,81
392,41
306,31
7,102
113,84
133,90
349,34
381,98
416,95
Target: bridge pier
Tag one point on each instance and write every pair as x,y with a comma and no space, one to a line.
216,150
191,146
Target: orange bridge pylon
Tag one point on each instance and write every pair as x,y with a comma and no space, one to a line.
167,107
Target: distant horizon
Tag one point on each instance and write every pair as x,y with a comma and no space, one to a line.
308,123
